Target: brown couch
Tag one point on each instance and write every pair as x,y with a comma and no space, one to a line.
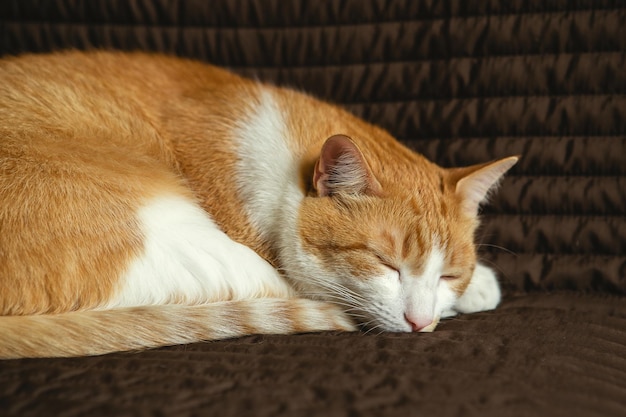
461,81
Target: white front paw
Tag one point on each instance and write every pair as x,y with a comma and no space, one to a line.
482,293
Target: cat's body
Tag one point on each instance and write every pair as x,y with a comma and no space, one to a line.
126,181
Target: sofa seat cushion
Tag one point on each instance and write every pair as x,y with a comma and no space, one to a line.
563,354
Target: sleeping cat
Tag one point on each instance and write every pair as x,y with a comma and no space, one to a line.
148,200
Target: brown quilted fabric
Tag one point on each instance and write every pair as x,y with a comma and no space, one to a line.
462,81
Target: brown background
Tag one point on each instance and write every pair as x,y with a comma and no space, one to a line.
462,82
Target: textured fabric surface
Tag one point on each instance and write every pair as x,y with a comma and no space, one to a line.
552,355
462,81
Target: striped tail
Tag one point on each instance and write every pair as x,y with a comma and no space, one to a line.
85,333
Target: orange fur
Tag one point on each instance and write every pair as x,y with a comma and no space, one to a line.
86,136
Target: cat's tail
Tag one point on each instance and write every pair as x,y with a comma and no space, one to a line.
85,333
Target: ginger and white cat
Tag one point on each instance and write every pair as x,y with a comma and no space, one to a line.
147,200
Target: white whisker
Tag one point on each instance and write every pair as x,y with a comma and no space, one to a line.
364,311
502,248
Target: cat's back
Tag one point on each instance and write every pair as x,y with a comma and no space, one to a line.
75,116
111,101
74,92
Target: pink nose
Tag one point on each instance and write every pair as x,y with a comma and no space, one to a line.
418,323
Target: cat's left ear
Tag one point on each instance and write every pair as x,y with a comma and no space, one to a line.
474,183
342,169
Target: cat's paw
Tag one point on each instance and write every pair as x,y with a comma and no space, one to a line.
482,293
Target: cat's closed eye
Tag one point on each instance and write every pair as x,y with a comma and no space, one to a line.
388,266
449,277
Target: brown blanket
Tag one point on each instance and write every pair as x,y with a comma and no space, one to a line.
462,81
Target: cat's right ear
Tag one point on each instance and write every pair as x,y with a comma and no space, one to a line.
474,183
342,169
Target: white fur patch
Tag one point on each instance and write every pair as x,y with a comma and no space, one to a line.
482,293
267,170
188,259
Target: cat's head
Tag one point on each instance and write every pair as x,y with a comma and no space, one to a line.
389,235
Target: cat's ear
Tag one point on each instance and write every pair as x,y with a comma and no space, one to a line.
474,183
341,168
